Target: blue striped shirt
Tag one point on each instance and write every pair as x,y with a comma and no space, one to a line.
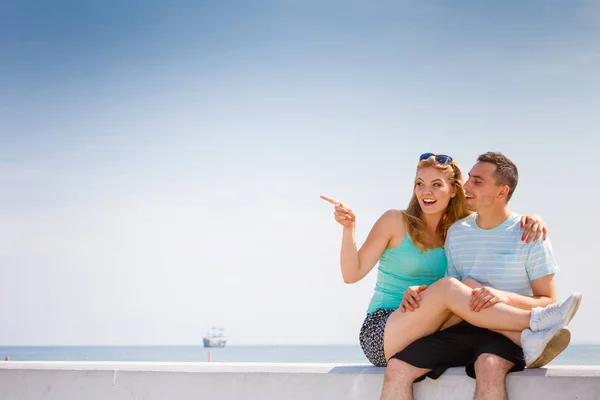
497,257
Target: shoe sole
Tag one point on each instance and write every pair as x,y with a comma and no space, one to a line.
577,303
555,346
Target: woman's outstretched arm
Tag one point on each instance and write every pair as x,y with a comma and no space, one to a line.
356,264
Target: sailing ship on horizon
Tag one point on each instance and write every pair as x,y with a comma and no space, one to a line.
214,338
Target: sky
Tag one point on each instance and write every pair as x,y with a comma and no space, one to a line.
161,162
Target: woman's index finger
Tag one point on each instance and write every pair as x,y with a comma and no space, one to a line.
332,201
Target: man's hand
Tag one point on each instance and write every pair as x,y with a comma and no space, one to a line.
411,298
485,297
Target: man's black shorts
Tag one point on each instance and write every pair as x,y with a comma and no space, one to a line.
458,346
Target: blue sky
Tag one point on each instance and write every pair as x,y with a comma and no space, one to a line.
161,162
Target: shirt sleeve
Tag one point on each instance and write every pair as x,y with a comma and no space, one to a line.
540,260
451,270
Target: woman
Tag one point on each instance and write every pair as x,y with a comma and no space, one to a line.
408,245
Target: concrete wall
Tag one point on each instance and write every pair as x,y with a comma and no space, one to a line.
248,381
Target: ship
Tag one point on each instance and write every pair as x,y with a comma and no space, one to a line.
215,338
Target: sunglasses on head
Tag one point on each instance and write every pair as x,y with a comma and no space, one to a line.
440,158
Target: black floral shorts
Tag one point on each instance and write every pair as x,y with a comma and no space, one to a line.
371,336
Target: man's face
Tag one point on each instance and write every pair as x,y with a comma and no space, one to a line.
481,188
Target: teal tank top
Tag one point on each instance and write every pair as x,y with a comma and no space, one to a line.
403,266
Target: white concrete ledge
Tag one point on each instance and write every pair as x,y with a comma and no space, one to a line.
258,381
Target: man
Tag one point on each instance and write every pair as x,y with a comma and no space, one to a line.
486,252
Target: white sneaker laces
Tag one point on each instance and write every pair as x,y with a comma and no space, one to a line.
552,310
549,313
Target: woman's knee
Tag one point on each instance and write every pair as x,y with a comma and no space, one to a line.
446,283
472,283
444,287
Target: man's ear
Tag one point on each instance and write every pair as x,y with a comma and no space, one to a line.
504,191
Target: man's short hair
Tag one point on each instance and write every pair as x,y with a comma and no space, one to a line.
506,171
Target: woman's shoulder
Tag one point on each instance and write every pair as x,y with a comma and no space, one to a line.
394,219
393,214
395,226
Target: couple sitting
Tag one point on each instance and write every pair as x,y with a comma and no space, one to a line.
462,280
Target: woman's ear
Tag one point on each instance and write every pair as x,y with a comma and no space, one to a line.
453,192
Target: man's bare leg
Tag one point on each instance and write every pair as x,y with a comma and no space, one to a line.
490,372
398,380
515,337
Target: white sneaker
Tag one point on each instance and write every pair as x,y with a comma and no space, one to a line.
542,347
555,315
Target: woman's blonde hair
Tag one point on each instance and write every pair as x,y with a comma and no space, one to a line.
456,209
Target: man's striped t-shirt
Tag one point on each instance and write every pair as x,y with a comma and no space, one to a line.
497,257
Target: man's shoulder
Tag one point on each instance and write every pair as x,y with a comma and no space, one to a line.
513,224
467,222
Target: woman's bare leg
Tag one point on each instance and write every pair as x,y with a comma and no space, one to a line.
453,320
514,336
438,302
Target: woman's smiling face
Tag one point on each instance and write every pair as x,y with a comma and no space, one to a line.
433,190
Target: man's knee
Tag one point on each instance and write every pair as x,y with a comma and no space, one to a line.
398,371
491,368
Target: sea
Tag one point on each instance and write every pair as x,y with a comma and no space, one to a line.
575,354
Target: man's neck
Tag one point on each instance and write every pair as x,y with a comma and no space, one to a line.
492,218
